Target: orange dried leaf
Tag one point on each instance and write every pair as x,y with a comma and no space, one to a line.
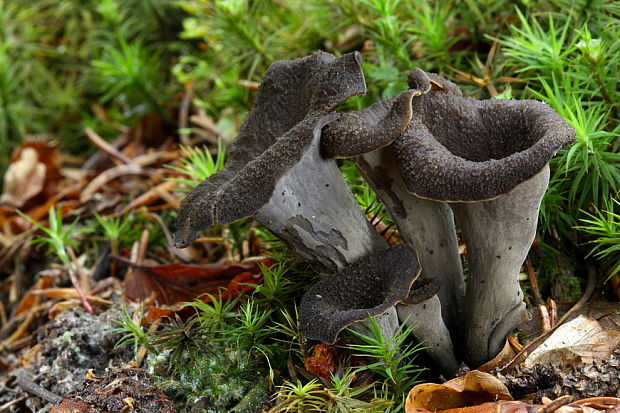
472,389
324,362
502,359
157,313
174,283
496,407
31,298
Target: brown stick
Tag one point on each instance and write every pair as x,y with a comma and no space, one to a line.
553,311
149,197
556,404
108,175
531,275
545,321
26,383
184,113
76,283
105,146
144,242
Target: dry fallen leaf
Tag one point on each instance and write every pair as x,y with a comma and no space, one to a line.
34,170
472,389
581,341
503,406
23,179
175,283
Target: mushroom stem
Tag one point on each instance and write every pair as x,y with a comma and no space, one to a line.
315,213
387,322
430,331
313,210
428,226
498,234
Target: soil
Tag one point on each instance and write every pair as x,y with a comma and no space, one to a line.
601,378
70,345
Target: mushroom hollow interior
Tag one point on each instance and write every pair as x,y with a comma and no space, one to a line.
459,149
487,129
368,287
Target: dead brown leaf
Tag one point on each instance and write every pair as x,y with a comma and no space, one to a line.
175,283
581,341
489,407
472,389
34,170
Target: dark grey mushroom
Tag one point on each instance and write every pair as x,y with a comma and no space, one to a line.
274,170
422,310
276,173
426,225
369,287
489,159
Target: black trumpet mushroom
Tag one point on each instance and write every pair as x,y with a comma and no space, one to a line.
489,160
431,155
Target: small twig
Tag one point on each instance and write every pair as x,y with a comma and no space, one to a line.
149,197
20,343
105,146
545,321
80,269
514,342
3,318
108,175
553,311
17,281
167,196
5,406
208,128
144,242
133,257
212,240
151,158
143,350
22,329
602,401
531,275
76,284
556,404
184,113
103,285
26,383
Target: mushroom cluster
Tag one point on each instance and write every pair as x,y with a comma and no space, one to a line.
431,155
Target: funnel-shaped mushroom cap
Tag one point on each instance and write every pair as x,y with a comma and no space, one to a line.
458,149
292,102
368,287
